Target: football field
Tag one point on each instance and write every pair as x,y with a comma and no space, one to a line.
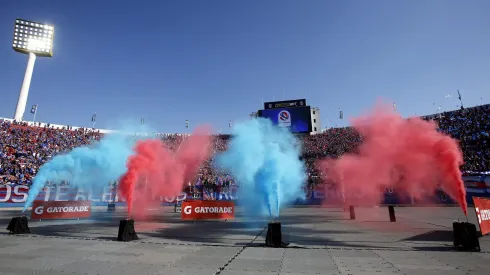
322,241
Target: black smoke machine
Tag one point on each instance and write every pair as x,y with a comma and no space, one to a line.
126,231
465,236
274,234
19,225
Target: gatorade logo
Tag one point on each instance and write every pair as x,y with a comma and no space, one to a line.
60,209
188,210
483,215
39,210
478,214
482,211
207,210
284,119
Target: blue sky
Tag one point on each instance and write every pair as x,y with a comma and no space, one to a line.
214,61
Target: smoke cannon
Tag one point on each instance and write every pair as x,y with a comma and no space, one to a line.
465,236
264,160
19,225
274,235
126,231
155,170
405,154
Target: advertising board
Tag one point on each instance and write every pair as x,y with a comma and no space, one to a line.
482,209
44,210
16,195
208,210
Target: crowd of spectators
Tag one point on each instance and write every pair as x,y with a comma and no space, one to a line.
24,148
472,128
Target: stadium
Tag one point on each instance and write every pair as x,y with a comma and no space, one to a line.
279,194
341,140
165,231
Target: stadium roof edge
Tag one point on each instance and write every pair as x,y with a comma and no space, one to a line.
108,131
56,126
103,131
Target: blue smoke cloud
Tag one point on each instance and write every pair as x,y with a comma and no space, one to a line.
264,159
90,167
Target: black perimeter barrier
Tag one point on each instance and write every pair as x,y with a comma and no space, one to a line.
352,212
465,236
19,225
391,211
111,207
126,231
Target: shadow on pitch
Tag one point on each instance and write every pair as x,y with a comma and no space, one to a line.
239,233
435,236
168,228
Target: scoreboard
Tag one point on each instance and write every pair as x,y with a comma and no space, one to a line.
292,114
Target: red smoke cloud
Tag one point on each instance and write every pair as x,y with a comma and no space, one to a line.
155,171
406,154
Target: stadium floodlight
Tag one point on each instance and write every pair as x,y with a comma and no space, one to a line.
33,39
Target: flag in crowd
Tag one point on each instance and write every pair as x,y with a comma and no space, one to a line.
94,116
229,124
186,123
34,109
459,95
341,115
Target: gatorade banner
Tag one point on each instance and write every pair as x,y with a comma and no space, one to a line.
208,210
60,209
482,209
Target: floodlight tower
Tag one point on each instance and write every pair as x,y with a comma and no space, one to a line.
34,39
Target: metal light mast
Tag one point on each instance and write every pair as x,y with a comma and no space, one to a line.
34,39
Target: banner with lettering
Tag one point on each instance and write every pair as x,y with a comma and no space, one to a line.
208,210
16,195
482,209
61,209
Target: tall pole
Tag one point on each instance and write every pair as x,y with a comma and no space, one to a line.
24,90
142,130
35,112
460,100
94,118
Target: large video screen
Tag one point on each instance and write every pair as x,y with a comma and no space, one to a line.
298,120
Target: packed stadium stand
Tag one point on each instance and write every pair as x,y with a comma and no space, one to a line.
25,147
